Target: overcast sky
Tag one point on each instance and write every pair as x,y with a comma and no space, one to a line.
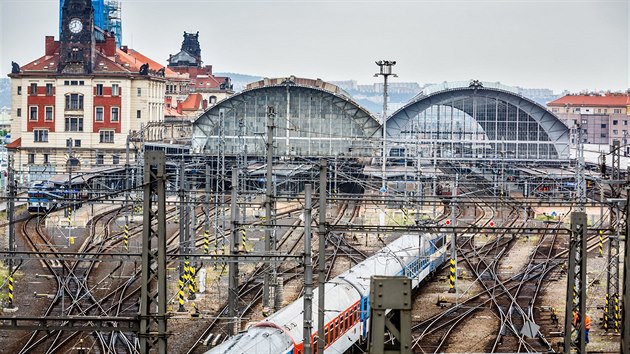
557,44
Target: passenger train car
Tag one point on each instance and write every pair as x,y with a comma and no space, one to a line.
347,302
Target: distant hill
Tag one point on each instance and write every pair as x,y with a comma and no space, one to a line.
5,92
240,80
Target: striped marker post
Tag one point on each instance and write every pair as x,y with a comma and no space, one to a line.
69,217
192,285
616,299
10,305
601,243
216,254
180,294
606,312
126,238
452,277
244,239
206,242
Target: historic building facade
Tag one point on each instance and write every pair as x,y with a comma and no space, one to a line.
83,97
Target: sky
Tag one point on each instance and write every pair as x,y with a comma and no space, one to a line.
558,44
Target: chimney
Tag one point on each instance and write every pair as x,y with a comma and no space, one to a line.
179,107
50,45
110,45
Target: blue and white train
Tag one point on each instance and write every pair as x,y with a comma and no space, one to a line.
347,302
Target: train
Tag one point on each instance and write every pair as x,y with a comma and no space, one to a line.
45,196
347,302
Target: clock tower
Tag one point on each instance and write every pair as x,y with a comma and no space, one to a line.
77,37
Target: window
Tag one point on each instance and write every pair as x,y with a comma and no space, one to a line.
18,112
99,158
31,158
603,135
77,143
19,90
115,159
584,121
107,136
213,99
33,91
32,113
99,89
604,125
555,110
74,101
46,158
139,91
98,114
40,135
615,122
66,82
617,110
74,124
49,89
576,109
74,83
138,114
115,90
68,142
615,132
48,116
114,117
81,83
599,110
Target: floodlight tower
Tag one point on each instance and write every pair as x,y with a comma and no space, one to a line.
385,71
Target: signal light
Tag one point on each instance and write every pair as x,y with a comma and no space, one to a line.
448,222
491,223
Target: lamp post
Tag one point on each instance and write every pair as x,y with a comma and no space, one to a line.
385,71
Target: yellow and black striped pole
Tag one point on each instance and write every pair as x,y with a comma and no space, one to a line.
216,254
206,242
606,308
10,305
126,238
452,277
244,239
180,294
616,299
601,243
192,285
69,217
405,216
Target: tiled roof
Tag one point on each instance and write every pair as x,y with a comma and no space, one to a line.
15,144
172,112
192,102
621,100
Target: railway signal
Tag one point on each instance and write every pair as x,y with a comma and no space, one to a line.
491,223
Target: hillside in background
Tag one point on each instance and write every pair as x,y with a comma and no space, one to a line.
5,92
240,80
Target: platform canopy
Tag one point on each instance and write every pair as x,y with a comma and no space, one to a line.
312,118
477,120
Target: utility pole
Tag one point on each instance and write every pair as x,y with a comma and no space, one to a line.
385,71
576,284
308,271
153,316
182,236
625,327
611,308
268,280
321,275
11,219
127,191
235,250
580,179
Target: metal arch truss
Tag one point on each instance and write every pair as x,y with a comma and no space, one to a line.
319,123
153,296
551,131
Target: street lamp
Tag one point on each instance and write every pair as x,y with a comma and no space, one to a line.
385,67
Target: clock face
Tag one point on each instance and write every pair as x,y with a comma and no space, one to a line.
75,25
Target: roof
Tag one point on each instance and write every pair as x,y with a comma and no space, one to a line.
15,144
192,102
126,61
172,112
620,100
182,56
